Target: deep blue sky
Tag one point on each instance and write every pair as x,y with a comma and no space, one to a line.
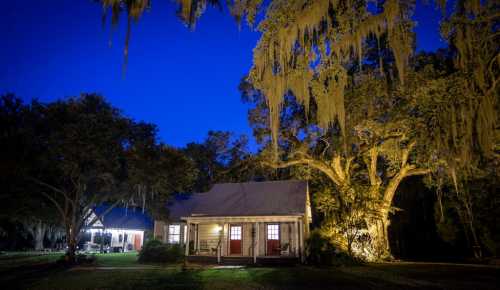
184,81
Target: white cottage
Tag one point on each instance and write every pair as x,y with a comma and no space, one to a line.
119,229
255,222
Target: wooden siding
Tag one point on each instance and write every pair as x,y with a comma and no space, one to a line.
208,237
159,231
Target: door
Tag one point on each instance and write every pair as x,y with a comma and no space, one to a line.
273,240
235,240
137,242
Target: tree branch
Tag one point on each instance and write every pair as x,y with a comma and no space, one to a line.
55,189
319,165
58,206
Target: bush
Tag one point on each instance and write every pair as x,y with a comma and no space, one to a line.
321,251
155,251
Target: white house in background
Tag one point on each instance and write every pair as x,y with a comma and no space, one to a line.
255,222
122,229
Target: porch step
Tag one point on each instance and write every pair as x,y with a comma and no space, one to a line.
233,261
202,259
236,260
278,261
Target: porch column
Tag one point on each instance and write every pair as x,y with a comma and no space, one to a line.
256,243
196,244
225,239
188,225
301,228
219,244
296,239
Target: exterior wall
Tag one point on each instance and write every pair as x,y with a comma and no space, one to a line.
159,231
129,243
225,240
209,235
247,242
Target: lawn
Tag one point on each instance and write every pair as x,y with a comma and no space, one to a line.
121,271
117,259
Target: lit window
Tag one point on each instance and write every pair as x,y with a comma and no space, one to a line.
235,233
174,234
273,232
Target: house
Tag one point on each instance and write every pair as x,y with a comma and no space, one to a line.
253,222
120,229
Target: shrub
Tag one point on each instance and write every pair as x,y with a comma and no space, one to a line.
321,251
155,251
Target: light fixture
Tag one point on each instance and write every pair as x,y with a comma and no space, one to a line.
217,229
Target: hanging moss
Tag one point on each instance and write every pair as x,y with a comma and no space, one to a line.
293,33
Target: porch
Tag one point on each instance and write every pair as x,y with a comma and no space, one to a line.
244,240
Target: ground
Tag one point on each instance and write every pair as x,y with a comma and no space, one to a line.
121,271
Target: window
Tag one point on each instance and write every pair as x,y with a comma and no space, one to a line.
273,232
174,234
120,238
235,233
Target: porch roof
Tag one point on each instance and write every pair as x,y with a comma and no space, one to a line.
270,198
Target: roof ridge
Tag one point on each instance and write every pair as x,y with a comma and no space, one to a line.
259,182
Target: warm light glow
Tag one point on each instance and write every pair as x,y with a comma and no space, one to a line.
116,231
217,229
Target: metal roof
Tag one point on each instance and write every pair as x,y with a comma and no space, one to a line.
124,218
243,199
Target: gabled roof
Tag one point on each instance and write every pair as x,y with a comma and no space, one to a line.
124,218
243,199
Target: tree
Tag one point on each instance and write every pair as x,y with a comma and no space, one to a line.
150,171
82,152
365,166
224,157
466,137
17,204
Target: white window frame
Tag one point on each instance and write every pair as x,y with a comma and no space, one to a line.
174,234
273,231
235,233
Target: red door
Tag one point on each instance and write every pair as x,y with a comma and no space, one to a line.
137,242
235,240
273,240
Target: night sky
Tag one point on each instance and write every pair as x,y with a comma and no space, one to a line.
184,81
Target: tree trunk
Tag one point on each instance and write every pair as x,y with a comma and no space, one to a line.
71,239
71,250
378,247
39,234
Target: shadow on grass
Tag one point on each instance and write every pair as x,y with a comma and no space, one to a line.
302,277
299,277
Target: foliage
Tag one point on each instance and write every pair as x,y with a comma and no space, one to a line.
364,167
322,251
82,152
155,251
223,157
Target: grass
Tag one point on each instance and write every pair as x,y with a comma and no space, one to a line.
19,259
117,259
375,276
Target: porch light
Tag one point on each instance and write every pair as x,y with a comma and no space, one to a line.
217,229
